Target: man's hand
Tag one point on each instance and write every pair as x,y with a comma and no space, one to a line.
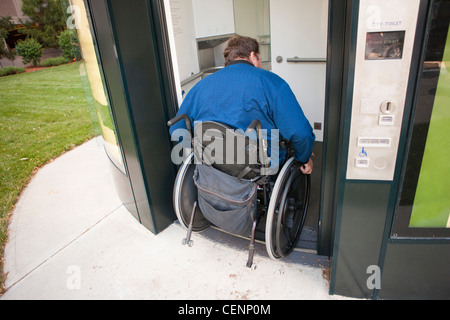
308,167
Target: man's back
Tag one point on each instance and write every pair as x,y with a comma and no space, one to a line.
241,93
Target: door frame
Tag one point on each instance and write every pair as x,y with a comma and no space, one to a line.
337,64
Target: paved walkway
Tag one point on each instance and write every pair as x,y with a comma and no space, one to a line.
71,238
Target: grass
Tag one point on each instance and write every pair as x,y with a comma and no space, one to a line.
42,115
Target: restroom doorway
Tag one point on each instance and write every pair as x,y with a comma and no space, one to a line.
293,36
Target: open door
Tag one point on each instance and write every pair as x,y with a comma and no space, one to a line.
293,36
299,30
299,39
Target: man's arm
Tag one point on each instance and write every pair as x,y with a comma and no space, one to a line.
293,125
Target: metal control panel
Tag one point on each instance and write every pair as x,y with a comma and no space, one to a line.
386,33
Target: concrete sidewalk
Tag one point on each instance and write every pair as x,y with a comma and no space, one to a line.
71,238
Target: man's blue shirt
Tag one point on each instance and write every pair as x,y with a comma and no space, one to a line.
241,93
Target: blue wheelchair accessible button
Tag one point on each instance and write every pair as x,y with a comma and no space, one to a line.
363,153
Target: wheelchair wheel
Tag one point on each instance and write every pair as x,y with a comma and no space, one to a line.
185,196
287,210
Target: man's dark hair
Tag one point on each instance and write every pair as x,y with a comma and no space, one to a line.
240,47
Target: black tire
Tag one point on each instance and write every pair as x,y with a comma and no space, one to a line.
185,195
287,210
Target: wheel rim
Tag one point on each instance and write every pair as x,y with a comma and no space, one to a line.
280,238
291,214
185,195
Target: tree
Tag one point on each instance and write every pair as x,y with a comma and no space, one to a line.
30,50
5,26
70,45
45,21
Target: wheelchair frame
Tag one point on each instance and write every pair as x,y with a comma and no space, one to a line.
285,211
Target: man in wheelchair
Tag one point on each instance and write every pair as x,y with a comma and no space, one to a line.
230,187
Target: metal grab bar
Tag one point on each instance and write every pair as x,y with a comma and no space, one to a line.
199,75
305,60
191,79
213,69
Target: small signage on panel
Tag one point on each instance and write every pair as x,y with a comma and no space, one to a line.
385,45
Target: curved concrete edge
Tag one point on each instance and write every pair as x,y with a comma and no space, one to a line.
71,238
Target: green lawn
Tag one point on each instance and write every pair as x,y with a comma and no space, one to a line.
42,114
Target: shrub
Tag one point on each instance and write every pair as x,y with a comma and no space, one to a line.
70,45
30,50
52,62
7,71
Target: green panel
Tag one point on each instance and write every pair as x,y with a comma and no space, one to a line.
363,217
131,186
136,44
432,204
416,271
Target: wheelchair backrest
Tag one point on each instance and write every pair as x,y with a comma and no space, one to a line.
231,151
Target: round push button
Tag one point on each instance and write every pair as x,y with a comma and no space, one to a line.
381,163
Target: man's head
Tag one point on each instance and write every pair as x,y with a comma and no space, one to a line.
243,48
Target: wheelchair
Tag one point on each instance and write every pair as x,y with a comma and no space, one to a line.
281,198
